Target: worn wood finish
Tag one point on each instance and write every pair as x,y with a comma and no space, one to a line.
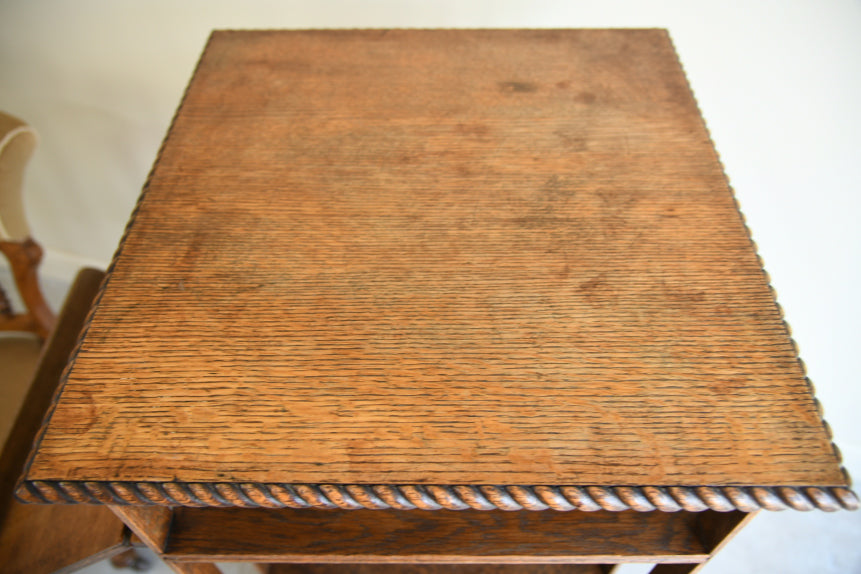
438,257
435,569
356,536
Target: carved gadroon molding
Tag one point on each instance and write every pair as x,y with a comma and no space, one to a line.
436,497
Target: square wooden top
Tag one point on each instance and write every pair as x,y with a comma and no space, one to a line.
437,257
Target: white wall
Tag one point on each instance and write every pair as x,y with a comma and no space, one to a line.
779,84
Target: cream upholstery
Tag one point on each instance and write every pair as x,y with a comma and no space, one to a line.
17,144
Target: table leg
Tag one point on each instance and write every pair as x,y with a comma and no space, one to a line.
152,525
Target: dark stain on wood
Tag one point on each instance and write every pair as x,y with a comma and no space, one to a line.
517,87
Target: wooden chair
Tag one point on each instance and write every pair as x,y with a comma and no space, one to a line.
17,144
34,349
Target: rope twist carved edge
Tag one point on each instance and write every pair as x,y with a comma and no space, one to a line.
436,497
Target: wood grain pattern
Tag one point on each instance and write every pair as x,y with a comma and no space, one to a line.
438,258
363,536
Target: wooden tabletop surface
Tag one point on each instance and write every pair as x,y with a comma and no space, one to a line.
437,257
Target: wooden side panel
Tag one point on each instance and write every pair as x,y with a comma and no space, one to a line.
443,536
41,539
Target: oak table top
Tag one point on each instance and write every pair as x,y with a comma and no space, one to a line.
437,268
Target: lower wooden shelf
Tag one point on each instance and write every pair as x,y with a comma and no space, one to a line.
437,569
443,537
